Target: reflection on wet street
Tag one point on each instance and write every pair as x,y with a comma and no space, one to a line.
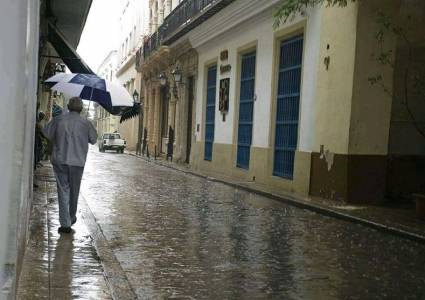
59,266
183,237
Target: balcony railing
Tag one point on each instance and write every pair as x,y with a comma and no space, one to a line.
151,44
185,17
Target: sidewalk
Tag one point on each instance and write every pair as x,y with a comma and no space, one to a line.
58,266
398,220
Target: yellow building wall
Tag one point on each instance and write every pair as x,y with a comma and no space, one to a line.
335,84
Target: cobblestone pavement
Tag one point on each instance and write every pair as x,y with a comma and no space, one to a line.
58,266
178,236
396,217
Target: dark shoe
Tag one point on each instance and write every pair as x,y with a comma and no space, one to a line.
64,230
74,220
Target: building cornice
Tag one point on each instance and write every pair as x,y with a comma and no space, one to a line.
157,62
107,60
131,60
232,16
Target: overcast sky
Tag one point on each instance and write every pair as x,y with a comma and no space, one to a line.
100,33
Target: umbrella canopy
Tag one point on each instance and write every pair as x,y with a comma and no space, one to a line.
112,97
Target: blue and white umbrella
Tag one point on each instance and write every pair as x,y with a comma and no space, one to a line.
113,97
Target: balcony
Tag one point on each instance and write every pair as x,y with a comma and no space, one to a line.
186,16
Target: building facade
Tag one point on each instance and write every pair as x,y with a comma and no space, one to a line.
133,27
30,55
105,122
167,117
291,108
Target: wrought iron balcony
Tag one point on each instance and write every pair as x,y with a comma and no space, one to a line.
151,44
186,16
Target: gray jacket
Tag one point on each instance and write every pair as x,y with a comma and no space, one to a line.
70,134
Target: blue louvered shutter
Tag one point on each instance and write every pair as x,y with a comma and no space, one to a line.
287,113
246,109
210,112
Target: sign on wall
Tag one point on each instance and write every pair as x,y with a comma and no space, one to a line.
223,105
225,69
224,55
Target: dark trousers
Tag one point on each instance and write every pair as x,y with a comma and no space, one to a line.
38,150
68,179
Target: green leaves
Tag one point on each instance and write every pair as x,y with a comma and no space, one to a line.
290,8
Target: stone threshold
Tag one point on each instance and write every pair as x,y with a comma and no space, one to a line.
389,220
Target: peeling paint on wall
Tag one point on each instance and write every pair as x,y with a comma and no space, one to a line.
327,156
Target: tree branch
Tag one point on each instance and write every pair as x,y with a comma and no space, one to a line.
406,91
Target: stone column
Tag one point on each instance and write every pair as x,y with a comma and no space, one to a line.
146,93
151,117
157,118
167,9
177,128
150,19
181,120
160,12
155,15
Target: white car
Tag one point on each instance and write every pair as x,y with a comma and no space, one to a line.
112,141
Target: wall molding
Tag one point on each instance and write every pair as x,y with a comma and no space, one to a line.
229,18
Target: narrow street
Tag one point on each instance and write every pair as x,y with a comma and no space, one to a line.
178,236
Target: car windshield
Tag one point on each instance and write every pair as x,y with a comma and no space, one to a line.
112,136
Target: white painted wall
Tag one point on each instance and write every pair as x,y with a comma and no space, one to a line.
104,120
258,29
127,75
108,66
18,81
134,25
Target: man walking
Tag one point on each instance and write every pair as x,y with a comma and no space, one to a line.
70,135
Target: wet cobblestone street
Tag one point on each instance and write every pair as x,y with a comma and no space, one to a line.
178,236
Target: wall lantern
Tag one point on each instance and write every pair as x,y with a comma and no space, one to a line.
136,98
177,75
60,68
162,79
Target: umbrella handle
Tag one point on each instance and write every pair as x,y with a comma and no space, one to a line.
88,109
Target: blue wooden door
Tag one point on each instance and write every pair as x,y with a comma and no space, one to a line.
210,112
246,109
287,112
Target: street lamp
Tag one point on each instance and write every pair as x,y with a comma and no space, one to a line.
177,75
60,68
162,79
136,97
139,105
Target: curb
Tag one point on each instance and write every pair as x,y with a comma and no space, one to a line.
301,204
115,277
